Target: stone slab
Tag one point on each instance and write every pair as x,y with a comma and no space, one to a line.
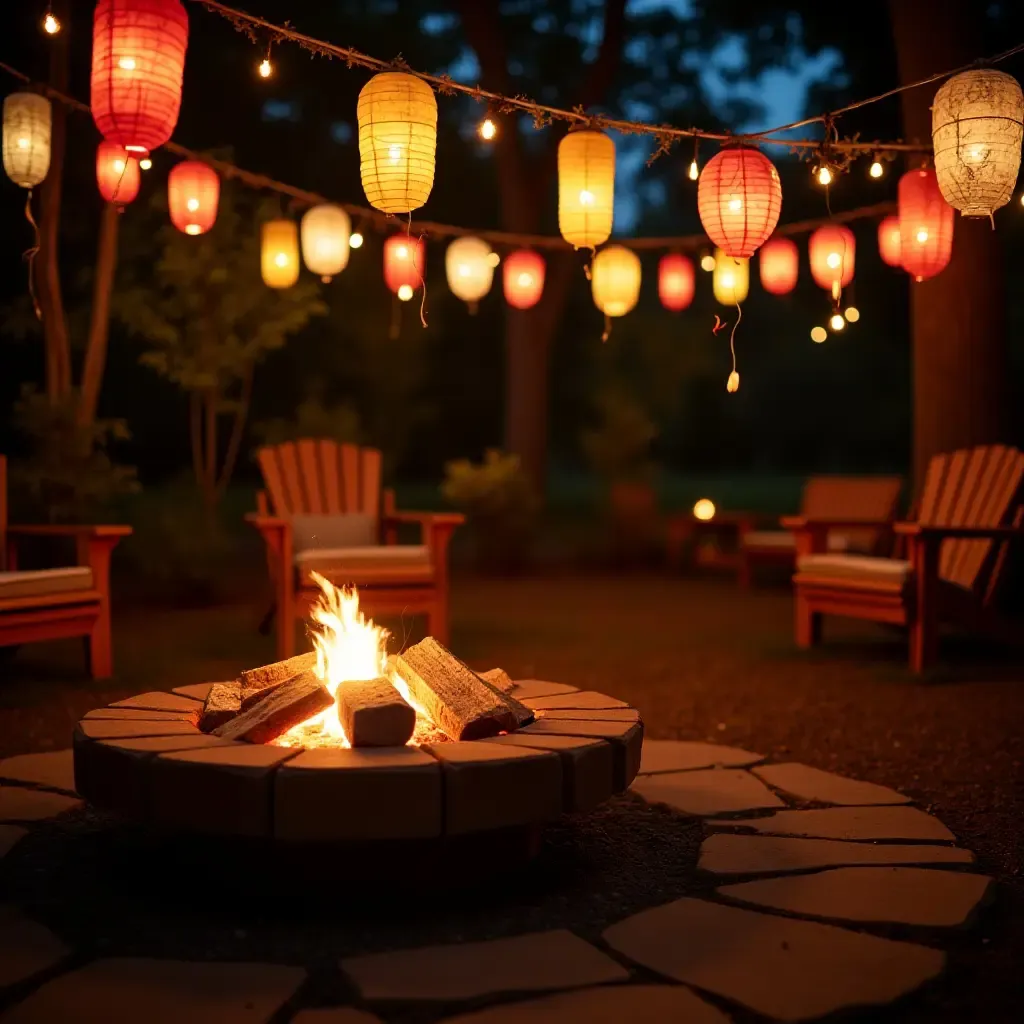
707,792
530,688
588,766
786,969
26,947
127,991
585,715
727,854
10,836
807,783
332,795
54,769
588,699
884,895
627,738
101,729
140,715
467,970
20,804
158,700
853,823
617,1004
223,790
680,756
487,786
197,691
335,1015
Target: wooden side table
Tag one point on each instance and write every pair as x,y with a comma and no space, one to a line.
703,539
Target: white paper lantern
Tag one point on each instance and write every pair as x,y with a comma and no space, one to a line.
325,233
615,280
586,188
27,119
468,265
977,126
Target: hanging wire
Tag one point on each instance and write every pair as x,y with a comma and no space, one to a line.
29,256
733,383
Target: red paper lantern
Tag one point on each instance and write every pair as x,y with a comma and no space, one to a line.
889,241
675,281
739,199
404,264
832,251
117,174
523,278
193,193
779,263
138,58
926,225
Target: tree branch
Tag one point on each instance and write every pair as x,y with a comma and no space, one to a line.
237,432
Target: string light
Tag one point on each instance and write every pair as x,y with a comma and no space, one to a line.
852,314
876,170
694,171
837,323
51,26
704,509
405,292
707,262
487,129
266,69
824,175
145,163
818,335
355,240
493,259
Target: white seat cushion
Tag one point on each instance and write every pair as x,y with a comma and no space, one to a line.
381,563
855,567
42,582
349,530
783,540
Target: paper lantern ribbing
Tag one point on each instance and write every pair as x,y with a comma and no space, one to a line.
325,232
138,59
730,279
117,174
523,278
926,225
675,281
403,263
467,263
397,115
977,127
779,265
832,250
615,280
193,195
279,253
586,188
739,199
889,241
27,123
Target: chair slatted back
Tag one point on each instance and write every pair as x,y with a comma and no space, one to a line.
970,487
3,512
321,477
871,498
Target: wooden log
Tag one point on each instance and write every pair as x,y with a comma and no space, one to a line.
255,679
223,702
289,704
373,713
498,678
523,715
457,700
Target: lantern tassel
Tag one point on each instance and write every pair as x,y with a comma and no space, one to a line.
419,273
733,383
607,328
29,256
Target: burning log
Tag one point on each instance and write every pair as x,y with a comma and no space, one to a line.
373,713
456,699
288,704
255,680
222,703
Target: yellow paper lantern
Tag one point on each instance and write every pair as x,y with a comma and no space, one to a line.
615,280
731,280
470,270
279,253
325,240
977,127
586,188
27,120
397,115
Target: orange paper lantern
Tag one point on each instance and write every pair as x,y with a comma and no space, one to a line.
926,225
523,278
403,262
779,265
889,241
832,249
138,59
193,193
739,199
117,174
675,281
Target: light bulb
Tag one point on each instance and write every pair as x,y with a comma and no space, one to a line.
395,153
402,252
837,323
23,142
145,163
922,236
195,229
833,260
487,129
824,176
51,26
728,280
266,69
876,170
704,509
586,198
694,171
735,205
818,334
356,239
493,259
281,259
405,292
119,166
464,270
852,314
525,280
126,64
707,263
192,205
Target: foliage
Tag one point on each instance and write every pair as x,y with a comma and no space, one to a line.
313,419
499,503
619,447
69,475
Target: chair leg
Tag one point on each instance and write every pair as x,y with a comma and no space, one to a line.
98,646
437,620
923,644
808,623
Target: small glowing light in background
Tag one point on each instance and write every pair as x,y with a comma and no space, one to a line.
824,176
1022,199
355,240
488,130
402,252
833,260
266,69
51,26
404,290
728,280
732,385
145,163
876,170
852,314
837,323
493,259
281,259
704,510
818,334
922,236
694,171
707,263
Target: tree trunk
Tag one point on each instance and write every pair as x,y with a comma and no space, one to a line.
237,433
958,318
210,455
99,320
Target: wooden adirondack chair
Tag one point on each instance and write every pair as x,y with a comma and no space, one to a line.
51,604
955,555
324,511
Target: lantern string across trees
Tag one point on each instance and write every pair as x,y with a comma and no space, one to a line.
325,232
926,225
586,188
193,195
675,281
117,174
523,278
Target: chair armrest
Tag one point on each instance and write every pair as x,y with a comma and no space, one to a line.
962,532
70,530
423,518
797,523
267,523
277,535
93,544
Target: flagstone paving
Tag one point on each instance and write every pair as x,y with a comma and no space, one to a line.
670,756
54,769
335,1015
806,783
852,823
26,947
18,803
707,792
